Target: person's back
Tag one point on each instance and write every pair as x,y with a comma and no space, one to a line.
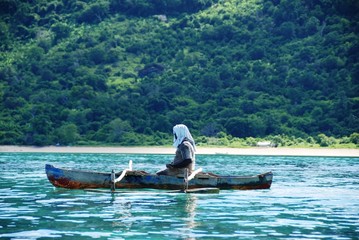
185,153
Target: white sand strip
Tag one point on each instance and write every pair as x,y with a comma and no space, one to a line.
330,152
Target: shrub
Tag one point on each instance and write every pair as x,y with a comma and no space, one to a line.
354,138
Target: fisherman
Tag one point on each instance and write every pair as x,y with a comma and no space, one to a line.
185,153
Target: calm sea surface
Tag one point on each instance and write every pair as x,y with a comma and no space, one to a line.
310,198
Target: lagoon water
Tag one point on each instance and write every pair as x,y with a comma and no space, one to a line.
310,198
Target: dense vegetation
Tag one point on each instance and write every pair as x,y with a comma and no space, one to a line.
125,71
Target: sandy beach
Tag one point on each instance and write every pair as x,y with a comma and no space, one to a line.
325,152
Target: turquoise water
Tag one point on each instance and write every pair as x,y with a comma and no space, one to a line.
310,198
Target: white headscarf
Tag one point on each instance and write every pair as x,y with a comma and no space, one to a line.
182,132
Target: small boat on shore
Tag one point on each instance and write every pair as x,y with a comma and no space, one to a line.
80,179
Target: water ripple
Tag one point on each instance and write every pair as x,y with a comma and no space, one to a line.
311,198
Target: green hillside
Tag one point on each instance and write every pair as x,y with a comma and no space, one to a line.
125,71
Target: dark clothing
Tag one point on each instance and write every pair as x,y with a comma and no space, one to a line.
184,158
182,164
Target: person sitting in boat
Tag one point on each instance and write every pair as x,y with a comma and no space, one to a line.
185,153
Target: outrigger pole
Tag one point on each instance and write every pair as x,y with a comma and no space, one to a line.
114,180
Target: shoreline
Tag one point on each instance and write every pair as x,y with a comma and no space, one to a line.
254,151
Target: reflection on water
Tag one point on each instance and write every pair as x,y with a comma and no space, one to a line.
191,204
311,198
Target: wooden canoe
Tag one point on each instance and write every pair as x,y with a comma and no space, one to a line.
80,179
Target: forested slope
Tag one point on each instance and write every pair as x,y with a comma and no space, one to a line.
126,71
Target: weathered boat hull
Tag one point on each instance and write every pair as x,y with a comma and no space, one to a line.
78,179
